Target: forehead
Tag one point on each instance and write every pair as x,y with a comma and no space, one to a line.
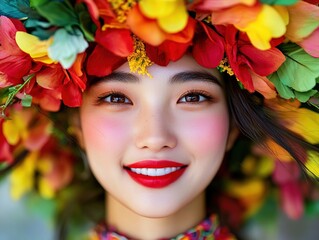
185,69
185,64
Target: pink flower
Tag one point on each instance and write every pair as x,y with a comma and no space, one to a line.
303,28
286,175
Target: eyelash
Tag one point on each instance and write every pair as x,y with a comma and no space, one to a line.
201,94
102,98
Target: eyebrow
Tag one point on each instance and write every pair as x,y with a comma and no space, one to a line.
194,75
175,79
116,76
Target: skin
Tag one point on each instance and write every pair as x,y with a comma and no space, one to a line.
185,121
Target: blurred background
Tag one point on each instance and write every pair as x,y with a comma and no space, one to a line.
31,218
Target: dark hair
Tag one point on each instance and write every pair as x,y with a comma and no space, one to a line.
258,122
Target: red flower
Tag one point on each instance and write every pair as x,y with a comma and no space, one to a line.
114,41
166,52
244,58
208,48
102,62
53,83
13,62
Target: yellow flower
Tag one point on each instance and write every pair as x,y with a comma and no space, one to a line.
27,127
261,167
16,128
250,193
312,165
22,176
270,23
171,15
45,166
36,48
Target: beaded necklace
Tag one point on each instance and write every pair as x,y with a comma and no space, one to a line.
209,229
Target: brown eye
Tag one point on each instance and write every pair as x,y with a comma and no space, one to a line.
116,98
193,97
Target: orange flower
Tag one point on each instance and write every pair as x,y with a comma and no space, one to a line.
143,26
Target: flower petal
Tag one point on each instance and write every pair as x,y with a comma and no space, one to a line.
292,200
239,15
311,44
301,23
142,27
176,21
269,24
166,52
65,47
157,8
210,5
208,49
102,62
32,45
117,41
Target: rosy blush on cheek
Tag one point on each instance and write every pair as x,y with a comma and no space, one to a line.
208,132
104,133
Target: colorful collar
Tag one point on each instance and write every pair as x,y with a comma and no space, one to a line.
208,229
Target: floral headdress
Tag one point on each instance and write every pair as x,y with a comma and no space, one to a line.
50,49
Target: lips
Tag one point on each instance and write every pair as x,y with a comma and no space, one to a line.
155,174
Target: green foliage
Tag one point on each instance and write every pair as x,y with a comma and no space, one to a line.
86,24
279,2
57,13
298,75
45,208
11,92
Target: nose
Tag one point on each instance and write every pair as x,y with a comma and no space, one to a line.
154,130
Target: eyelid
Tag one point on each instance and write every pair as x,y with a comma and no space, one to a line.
101,98
203,93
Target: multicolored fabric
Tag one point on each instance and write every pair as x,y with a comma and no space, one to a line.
209,229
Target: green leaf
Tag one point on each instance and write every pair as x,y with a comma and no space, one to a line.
298,75
26,101
14,8
66,46
56,12
279,2
305,96
86,24
283,90
300,70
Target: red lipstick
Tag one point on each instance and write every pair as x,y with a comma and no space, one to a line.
155,174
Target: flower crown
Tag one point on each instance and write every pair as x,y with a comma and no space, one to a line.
50,49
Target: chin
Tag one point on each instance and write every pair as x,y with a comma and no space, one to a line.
157,208
156,211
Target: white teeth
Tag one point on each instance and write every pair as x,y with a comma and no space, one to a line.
155,171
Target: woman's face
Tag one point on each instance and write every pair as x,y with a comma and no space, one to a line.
155,144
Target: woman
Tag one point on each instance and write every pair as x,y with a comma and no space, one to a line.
155,134
147,152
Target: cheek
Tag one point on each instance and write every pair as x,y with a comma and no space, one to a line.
102,133
208,133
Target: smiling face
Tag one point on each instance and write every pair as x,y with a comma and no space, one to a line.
155,144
